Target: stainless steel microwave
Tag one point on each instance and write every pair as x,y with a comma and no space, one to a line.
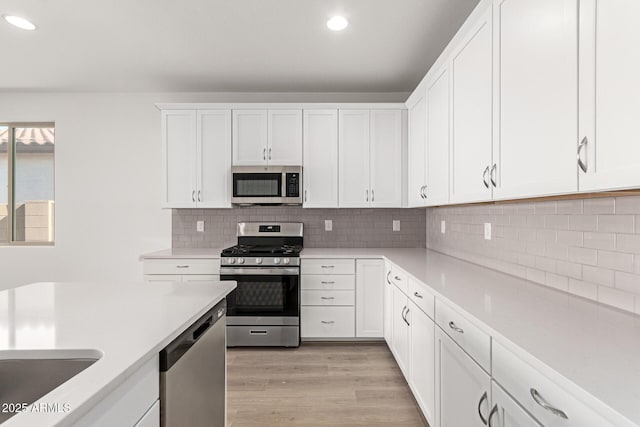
266,185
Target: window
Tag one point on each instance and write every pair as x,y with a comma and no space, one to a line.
27,204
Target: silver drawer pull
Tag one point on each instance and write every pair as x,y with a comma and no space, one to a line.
456,328
327,266
327,297
397,278
540,401
417,295
182,266
328,283
327,322
482,399
260,332
493,412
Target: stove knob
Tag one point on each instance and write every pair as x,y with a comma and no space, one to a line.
258,260
240,260
276,260
231,260
286,261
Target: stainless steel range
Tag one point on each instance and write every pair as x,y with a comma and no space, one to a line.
264,310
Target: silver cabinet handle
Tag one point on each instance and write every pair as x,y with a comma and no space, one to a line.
484,177
269,153
388,274
264,154
366,192
583,165
492,174
373,196
402,315
327,266
540,401
182,266
305,195
193,196
482,399
327,283
422,191
397,278
456,328
418,295
327,298
328,322
199,196
405,317
494,411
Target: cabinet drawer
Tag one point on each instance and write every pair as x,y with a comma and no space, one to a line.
398,278
468,336
523,381
315,297
328,282
421,297
327,322
328,266
181,266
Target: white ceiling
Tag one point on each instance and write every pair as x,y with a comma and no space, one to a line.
225,45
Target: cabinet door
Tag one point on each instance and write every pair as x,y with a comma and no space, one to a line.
214,159
610,94
471,139
437,189
388,308
386,158
505,412
285,138
179,158
250,137
369,298
401,330
417,156
537,74
462,387
353,149
320,166
151,418
422,361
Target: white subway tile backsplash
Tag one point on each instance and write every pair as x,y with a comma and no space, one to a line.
588,247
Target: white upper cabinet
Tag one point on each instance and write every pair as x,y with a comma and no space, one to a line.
197,158
610,94
386,158
353,143
285,137
537,82
320,165
370,158
438,131
214,158
250,137
179,158
471,140
417,156
262,137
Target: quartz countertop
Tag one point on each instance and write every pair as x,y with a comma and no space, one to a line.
204,253
128,323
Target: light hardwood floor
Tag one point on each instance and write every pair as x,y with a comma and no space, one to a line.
318,385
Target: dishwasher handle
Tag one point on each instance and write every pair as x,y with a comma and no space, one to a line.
170,355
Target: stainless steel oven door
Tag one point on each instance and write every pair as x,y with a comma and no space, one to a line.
264,296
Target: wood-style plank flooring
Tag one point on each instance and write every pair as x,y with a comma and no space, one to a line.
318,385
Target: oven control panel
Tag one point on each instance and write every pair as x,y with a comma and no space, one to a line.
257,261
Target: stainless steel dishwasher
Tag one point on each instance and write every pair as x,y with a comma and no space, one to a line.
193,374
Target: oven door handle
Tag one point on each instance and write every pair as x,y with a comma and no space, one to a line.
259,271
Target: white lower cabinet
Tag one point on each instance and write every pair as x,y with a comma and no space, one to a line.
422,361
505,412
388,307
462,386
151,418
181,270
369,298
327,322
401,333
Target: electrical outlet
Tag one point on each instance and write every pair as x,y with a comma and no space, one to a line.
396,225
487,231
200,226
328,225
443,226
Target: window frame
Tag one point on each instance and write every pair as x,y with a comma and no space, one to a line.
11,158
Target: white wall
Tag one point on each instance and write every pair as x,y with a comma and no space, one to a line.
108,180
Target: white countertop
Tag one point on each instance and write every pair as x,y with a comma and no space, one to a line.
204,253
127,322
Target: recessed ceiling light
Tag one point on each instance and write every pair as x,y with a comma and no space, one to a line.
19,22
337,23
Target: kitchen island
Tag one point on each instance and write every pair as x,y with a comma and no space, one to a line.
123,325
